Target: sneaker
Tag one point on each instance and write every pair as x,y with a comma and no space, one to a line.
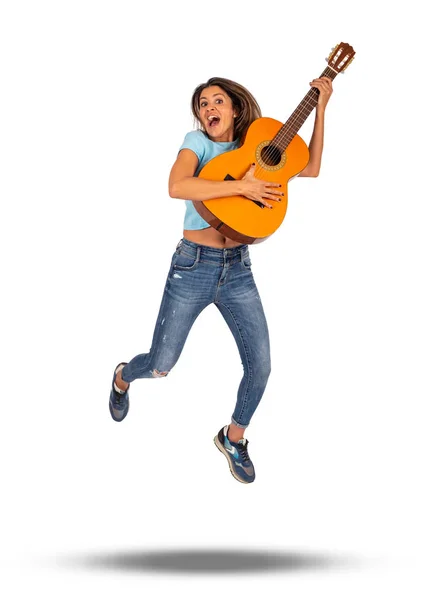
236,453
118,403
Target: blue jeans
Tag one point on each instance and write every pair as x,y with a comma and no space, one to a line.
201,275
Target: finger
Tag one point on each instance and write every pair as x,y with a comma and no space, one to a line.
320,83
265,203
323,90
270,197
273,194
327,83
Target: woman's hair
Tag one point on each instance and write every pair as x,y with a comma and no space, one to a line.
247,108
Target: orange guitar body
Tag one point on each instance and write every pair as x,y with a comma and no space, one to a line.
237,217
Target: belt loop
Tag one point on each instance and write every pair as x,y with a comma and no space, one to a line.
198,253
240,252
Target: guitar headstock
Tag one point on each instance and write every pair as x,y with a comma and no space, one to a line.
340,57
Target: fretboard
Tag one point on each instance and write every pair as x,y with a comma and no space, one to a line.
300,114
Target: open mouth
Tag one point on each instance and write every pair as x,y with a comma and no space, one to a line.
213,121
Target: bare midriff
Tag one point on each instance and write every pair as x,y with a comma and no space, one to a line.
209,237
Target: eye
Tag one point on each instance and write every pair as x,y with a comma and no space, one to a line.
203,104
219,100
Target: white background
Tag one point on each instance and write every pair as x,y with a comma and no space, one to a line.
95,102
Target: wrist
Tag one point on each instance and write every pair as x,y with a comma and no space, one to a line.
239,187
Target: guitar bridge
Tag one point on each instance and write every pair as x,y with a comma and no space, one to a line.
230,178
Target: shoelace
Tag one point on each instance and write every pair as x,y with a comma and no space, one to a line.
119,399
243,451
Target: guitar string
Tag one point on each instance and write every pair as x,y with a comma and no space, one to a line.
283,133
300,114
312,95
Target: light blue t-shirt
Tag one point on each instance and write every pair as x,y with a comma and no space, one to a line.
205,149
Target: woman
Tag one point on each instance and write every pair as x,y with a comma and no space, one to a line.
208,268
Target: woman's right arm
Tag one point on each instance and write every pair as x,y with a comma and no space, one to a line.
182,183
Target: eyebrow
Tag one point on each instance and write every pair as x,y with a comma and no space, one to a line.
218,94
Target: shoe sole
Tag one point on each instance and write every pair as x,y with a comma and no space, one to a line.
229,460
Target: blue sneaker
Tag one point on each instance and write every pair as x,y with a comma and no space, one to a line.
118,403
240,464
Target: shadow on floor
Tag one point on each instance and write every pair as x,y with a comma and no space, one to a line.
206,560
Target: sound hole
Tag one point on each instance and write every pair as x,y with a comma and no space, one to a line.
271,155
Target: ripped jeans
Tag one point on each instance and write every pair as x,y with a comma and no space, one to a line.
201,275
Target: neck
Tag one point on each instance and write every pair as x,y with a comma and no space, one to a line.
300,114
224,138
227,136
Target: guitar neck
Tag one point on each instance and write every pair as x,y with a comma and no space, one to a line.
300,114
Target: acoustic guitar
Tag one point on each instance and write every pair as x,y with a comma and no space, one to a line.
279,155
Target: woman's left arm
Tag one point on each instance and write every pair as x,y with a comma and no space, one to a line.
324,85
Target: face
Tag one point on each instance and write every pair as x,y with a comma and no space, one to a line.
217,114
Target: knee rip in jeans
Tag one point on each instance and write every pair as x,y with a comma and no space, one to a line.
157,373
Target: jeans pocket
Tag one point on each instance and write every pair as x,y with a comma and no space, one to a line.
246,261
185,262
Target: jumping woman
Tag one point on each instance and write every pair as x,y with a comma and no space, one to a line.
209,268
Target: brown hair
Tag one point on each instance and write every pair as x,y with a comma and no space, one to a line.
245,104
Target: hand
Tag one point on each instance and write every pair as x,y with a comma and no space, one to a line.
257,189
325,87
